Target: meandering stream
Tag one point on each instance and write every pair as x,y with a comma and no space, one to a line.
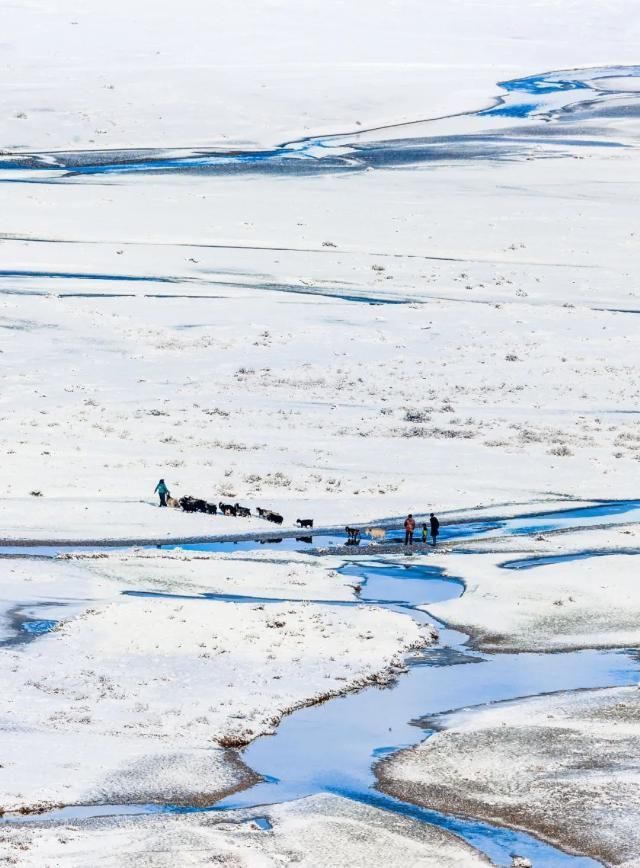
333,747
513,125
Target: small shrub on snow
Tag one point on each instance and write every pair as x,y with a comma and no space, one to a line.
216,411
438,433
452,433
233,445
560,451
528,436
415,415
629,439
277,479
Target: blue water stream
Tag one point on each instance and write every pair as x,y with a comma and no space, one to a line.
333,747
541,561
575,97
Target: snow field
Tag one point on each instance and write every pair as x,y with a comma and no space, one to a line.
345,347
136,76
584,603
177,680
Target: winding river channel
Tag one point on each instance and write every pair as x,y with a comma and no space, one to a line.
334,747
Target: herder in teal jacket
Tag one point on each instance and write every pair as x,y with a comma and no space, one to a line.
162,491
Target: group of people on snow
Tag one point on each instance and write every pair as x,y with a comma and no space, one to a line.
433,529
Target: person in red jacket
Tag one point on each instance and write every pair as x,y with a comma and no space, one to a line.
409,527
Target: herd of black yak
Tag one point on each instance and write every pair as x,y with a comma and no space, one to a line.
196,504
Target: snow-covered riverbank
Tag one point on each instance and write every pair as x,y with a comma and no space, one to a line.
564,766
544,597
136,698
324,830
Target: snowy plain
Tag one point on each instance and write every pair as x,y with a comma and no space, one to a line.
213,324
340,265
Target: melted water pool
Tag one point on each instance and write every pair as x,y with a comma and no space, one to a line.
23,625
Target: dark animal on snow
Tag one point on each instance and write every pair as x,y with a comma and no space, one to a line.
353,535
273,540
243,511
304,522
196,504
273,516
227,508
269,515
188,503
304,539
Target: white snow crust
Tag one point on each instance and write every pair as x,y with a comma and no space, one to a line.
582,603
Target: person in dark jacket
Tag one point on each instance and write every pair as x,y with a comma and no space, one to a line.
162,491
435,528
409,527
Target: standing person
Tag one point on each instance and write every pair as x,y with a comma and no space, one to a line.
162,491
424,533
435,528
409,527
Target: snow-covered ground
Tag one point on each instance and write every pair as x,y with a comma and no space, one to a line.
314,406
564,766
339,265
46,590
217,330
135,698
323,830
574,603
289,575
134,74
